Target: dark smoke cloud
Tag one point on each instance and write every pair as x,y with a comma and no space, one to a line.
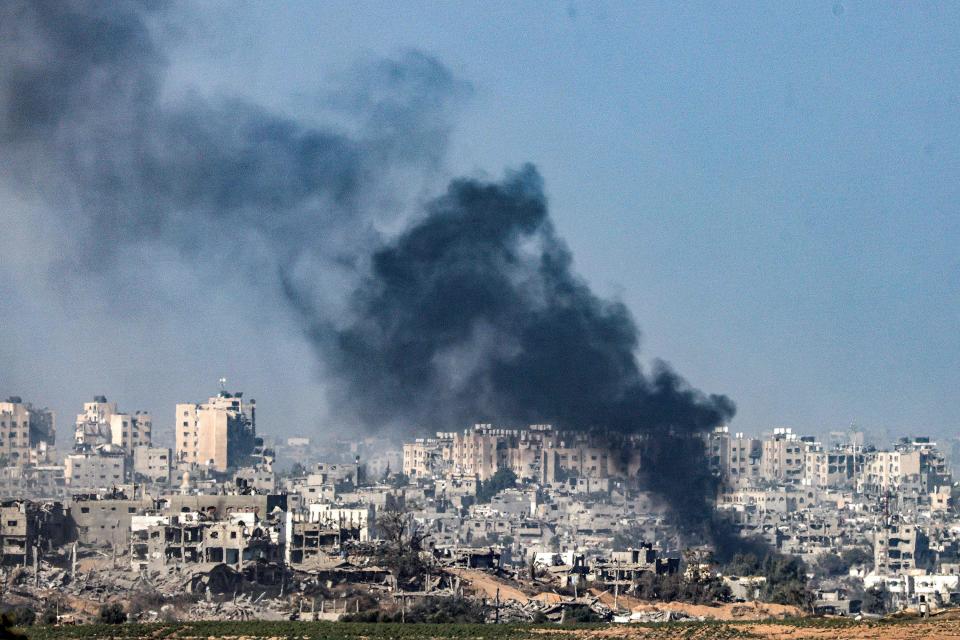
82,121
472,314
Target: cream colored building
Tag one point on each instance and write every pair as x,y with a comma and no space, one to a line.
783,456
94,470
536,453
93,425
481,451
131,431
15,432
735,457
102,423
428,457
885,470
219,434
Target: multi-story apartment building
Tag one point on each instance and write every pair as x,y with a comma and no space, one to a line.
783,456
427,457
26,527
152,464
896,545
93,425
219,434
102,423
583,456
733,456
836,468
481,451
15,431
95,469
131,431
43,428
536,453
920,466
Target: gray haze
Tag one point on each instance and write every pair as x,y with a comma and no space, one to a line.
146,234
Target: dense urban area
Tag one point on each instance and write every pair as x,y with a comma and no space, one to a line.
483,524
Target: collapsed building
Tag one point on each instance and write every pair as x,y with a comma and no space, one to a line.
29,529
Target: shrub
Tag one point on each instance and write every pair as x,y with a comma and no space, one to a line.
875,600
21,616
112,614
581,615
857,556
830,564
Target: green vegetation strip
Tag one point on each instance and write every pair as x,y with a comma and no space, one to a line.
254,629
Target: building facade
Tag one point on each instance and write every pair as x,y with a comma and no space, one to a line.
219,434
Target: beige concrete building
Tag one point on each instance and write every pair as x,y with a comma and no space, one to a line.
102,423
884,471
783,456
94,469
15,432
428,457
536,453
219,434
131,431
733,456
93,424
152,464
836,468
895,547
480,451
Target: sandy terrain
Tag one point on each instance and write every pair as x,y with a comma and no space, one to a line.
487,585
736,611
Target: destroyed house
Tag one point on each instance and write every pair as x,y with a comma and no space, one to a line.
625,568
312,542
221,506
468,557
106,521
191,539
28,527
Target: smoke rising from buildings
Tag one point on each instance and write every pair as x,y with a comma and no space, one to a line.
472,313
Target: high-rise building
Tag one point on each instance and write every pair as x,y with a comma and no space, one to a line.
219,434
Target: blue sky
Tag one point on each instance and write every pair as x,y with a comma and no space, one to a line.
772,188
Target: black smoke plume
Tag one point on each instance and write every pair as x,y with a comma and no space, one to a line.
472,314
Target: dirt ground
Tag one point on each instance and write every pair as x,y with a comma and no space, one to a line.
817,630
487,585
732,611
